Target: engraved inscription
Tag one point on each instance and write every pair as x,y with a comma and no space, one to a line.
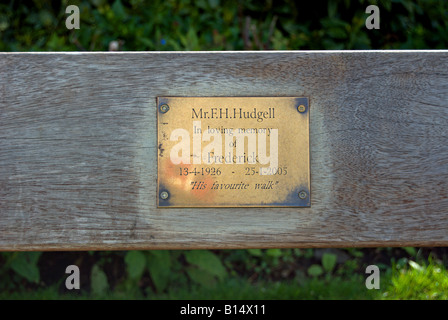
224,152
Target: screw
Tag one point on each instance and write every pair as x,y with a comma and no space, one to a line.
164,108
301,108
164,195
302,195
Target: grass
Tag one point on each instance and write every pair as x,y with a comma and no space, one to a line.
419,282
318,289
235,289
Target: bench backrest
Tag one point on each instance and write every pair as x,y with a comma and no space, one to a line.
78,149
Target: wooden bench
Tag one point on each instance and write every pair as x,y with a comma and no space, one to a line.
78,151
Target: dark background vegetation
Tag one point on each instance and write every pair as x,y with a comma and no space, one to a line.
137,25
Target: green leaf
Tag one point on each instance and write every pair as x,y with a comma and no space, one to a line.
315,270
329,261
274,253
411,251
135,264
206,261
159,266
98,281
255,252
118,9
25,264
203,278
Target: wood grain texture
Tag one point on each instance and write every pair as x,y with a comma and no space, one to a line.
78,149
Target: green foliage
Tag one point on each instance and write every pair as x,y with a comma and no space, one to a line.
165,268
419,282
159,267
329,261
255,252
411,251
274,253
205,266
135,264
98,281
355,252
222,25
233,289
229,274
315,270
25,264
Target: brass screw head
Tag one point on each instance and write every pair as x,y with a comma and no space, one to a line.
301,108
303,195
164,195
164,108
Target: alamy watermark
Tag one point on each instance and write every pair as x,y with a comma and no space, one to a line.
72,281
373,280
373,21
182,152
72,21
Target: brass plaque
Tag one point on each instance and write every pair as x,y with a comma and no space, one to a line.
233,152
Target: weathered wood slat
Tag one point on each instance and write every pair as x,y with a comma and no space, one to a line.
78,149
